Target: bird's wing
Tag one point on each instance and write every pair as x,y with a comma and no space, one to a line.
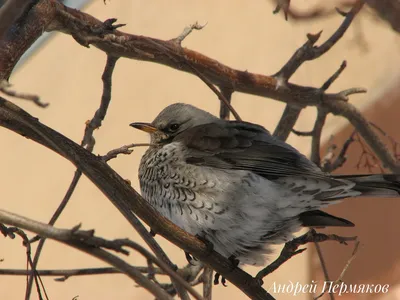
245,146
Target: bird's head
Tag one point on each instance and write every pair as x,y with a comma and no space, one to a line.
173,120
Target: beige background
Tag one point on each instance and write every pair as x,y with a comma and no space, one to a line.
242,34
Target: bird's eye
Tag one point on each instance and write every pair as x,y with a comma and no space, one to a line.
173,127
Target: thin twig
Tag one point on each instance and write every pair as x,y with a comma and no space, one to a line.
290,248
286,123
52,221
184,61
88,140
125,198
10,232
367,158
207,278
395,144
305,53
87,242
327,164
323,266
319,11
188,30
224,110
216,91
310,52
5,88
340,278
52,15
335,76
282,4
67,273
122,150
322,113
316,136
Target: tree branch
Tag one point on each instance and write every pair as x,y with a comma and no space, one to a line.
123,196
11,12
305,53
207,283
87,242
52,15
224,109
5,88
89,142
67,273
88,139
291,247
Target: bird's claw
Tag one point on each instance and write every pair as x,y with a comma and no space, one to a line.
189,258
216,279
209,245
235,262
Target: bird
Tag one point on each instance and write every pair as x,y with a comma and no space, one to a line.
238,187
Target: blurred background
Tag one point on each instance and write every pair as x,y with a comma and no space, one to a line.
241,34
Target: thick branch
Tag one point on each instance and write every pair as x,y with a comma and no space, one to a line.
17,39
10,12
121,44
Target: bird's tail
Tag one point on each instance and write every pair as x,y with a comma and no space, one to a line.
382,185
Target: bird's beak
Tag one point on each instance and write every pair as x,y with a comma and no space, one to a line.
147,127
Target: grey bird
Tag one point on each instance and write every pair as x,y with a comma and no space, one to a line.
235,185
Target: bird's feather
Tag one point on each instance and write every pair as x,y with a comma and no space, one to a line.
318,218
245,146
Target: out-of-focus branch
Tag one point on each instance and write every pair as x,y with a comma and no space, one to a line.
348,111
387,10
318,11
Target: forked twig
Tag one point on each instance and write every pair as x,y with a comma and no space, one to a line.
291,248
